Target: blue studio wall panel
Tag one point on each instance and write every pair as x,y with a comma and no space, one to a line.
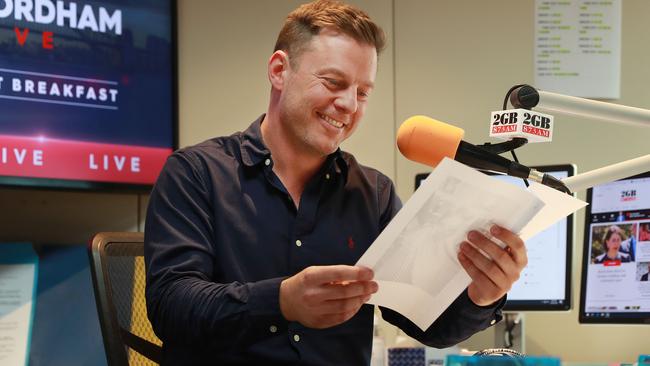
66,327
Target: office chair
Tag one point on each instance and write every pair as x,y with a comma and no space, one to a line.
117,267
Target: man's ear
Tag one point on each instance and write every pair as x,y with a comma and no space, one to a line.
278,68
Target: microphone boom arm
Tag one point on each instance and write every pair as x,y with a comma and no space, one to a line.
527,97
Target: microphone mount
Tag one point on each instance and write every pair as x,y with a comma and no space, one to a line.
523,96
505,146
527,97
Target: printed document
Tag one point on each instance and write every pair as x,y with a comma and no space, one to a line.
415,257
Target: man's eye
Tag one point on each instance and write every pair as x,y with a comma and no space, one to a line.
333,82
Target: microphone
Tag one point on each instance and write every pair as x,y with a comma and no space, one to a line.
427,141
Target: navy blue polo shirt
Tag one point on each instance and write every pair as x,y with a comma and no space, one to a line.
222,233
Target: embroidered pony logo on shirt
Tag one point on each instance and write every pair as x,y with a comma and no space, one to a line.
350,242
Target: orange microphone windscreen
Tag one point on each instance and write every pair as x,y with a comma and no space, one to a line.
427,141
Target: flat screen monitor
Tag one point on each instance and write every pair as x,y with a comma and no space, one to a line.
545,283
616,262
87,92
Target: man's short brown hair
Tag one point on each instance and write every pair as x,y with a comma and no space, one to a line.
309,19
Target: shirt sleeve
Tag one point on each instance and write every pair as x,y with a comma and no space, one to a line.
184,304
460,320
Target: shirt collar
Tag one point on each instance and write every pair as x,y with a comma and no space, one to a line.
338,164
254,151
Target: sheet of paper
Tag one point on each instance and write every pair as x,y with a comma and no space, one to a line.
18,274
415,257
578,47
557,206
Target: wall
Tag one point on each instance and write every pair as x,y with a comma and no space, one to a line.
65,217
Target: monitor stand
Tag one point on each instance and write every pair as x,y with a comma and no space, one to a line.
509,332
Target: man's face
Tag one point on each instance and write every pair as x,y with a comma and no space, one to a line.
326,91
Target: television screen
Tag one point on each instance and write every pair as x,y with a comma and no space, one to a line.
87,92
545,283
616,256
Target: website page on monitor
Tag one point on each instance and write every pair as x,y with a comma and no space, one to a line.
86,89
618,246
543,281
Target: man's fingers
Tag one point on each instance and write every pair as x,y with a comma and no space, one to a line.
485,265
500,255
324,296
332,307
318,275
507,236
350,289
476,274
514,242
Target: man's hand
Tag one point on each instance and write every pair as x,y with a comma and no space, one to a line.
325,296
492,277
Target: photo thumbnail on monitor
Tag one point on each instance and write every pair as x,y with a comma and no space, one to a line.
614,244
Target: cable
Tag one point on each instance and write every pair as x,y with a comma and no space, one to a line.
514,157
505,105
505,101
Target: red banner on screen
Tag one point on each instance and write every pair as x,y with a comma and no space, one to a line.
40,157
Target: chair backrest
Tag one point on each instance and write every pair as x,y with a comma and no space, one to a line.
117,267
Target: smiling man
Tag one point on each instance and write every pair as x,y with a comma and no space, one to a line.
251,239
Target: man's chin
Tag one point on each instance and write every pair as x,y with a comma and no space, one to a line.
330,149
324,152
324,148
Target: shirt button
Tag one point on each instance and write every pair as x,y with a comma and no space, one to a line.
273,329
296,338
327,176
298,243
267,162
493,321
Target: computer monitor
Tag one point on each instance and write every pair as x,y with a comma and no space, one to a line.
545,283
616,257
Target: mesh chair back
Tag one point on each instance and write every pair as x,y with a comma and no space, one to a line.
119,281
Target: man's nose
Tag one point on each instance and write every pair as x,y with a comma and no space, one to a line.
347,100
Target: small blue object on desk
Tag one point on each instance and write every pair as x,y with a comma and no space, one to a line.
644,360
454,360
